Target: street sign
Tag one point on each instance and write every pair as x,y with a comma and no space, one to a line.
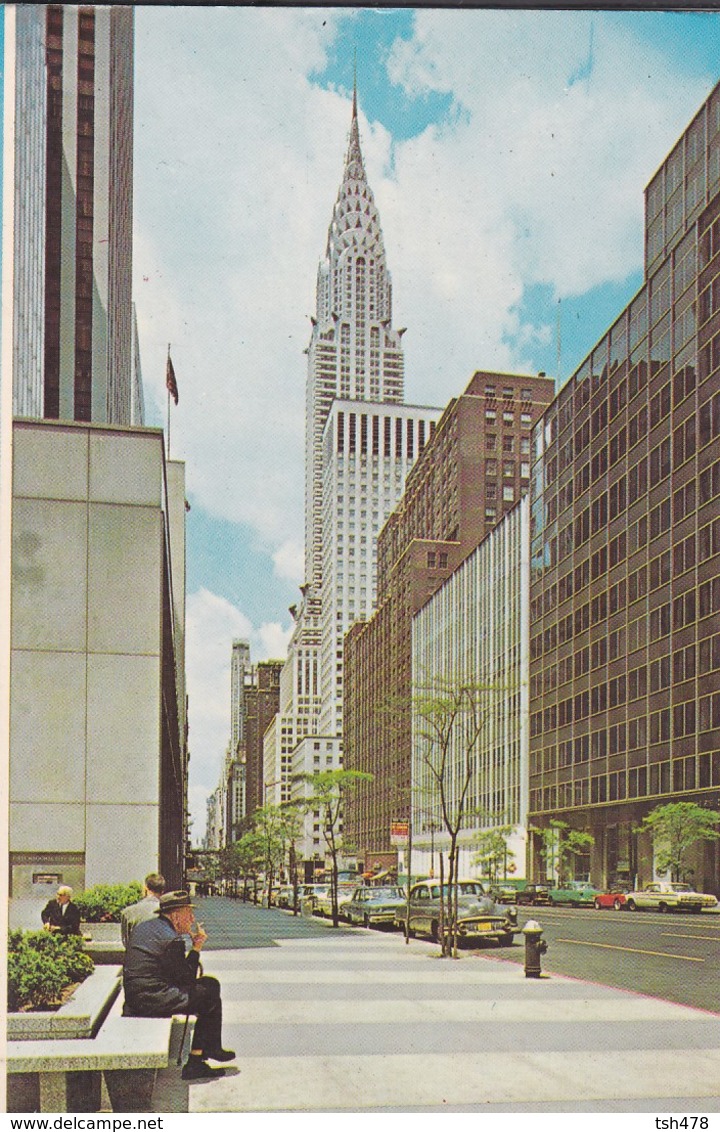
398,833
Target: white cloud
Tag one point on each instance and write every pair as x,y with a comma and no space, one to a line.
289,561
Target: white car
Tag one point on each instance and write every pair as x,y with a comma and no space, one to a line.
669,896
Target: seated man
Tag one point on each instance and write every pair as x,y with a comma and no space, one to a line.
161,980
61,915
144,909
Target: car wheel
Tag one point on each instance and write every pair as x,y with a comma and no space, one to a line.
434,932
598,905
631,905
662,906
551,901
617,905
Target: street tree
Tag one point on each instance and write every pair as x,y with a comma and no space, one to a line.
675,828
249,852
325,794
492,852
269,826
449,718
560,844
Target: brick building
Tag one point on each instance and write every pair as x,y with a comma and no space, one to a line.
472,471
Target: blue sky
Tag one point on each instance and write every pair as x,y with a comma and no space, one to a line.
507,150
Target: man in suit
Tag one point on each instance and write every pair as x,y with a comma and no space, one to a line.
160,980
144,909
61,915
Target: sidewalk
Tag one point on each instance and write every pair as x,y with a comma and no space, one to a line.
359,1022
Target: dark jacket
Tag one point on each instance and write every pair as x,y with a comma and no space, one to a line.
158,976
69,923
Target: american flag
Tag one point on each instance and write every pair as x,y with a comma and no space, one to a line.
170,381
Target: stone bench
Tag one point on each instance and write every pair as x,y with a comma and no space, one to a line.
114,1071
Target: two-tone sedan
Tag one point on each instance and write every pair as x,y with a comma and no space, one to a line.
669,896
478,917
576,893
375,906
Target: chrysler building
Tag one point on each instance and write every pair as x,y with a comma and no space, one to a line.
361,440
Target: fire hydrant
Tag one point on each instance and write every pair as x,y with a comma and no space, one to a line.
535,946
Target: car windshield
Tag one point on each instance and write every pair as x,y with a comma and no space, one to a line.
681,888
467,888
387,893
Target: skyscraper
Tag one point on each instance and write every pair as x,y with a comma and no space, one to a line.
353,353
625,552
361,442
72,188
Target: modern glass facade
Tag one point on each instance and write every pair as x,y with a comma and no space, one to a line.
474,633
625,542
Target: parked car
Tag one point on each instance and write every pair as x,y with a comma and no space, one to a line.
530,894
669,896
285,896
309,894
614,898
577,893
323,900
370,905
479,917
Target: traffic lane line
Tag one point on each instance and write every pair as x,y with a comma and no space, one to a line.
677,935
635,950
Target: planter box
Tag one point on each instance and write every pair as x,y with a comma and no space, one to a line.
103,942
80,1017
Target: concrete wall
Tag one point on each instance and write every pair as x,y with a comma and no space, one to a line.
87,584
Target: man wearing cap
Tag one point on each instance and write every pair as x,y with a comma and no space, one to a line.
145,909
61,915
161,980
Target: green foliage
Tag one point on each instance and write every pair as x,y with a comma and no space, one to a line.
41,965
105,902
560,843
492,850
675,828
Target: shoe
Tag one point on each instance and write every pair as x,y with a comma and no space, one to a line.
195,1069
220,1054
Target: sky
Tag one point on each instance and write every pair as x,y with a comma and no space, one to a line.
507,151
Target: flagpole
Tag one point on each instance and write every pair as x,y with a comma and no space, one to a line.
168,408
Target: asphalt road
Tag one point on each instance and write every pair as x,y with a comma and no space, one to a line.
674,956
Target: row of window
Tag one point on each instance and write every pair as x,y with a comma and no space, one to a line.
690,773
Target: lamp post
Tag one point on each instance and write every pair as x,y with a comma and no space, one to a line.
431,828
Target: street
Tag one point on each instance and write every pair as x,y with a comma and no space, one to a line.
674,956
356,1020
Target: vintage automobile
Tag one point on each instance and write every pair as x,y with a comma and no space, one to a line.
371,905
577,893
323,900
669,896
614,898
479,917
532,894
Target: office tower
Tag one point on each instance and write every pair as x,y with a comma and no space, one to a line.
98,707
625,553
72,199
239,667
474,633
262,700
472,471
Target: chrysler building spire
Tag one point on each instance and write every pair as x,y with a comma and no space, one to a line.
354,353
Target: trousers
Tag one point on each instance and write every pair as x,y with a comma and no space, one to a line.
206,1004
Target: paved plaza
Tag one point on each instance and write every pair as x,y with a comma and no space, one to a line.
354,1021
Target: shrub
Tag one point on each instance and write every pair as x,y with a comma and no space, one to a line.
105,902
41,965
